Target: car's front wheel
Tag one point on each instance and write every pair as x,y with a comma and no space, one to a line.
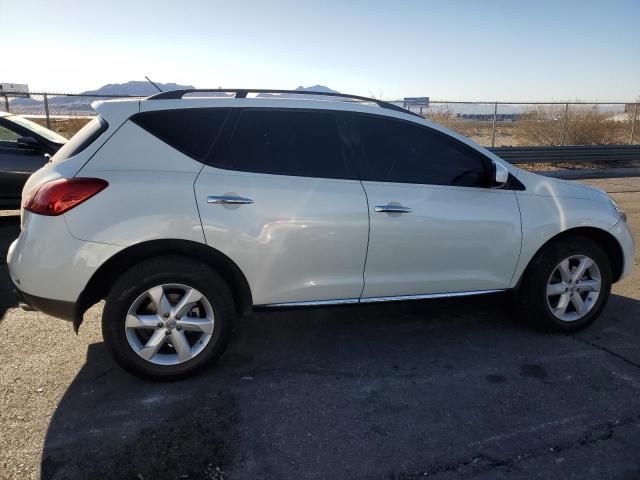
567,285
167,317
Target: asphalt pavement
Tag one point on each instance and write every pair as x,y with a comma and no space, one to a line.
437,389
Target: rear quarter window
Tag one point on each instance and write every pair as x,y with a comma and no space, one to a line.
81,140
189,130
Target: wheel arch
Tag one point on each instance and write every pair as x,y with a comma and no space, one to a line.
604,239
100,283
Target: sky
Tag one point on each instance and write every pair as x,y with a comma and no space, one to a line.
447,50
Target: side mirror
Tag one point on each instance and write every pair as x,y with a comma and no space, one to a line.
500,175
29,143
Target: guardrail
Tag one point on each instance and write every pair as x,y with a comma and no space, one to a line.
569,154
600,155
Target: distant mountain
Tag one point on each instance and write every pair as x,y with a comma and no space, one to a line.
135,88
79,105
316,88
144,88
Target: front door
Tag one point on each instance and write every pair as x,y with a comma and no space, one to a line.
436,226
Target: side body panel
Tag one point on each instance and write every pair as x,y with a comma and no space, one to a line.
150,192
115,113
622,233
301,239
456,239
550,206
46,261
544,217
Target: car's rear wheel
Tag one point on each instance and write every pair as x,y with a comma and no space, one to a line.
567,285
167,317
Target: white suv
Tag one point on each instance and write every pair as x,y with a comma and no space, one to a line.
184,211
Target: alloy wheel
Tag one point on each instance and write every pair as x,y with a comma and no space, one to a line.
573,288
169,324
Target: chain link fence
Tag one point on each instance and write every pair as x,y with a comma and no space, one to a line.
491,124
64,113
521,124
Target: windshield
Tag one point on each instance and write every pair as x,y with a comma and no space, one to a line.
81,140
38,129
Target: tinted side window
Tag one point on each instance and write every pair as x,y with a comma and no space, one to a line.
396,151
9,136
285,142
81,140
189,130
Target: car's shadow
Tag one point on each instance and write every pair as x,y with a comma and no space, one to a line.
329,393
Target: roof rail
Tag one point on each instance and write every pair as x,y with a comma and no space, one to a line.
243,92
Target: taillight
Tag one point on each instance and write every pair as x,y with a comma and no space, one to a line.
58,196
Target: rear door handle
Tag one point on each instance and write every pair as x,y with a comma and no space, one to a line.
393,209
229,200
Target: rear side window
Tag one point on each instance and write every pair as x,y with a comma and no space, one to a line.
285,142
81,140
396,151
190,130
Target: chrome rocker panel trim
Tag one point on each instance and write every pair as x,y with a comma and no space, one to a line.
398,298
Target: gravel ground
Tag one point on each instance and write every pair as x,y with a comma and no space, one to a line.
444,389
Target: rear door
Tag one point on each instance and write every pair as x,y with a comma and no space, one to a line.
436,226
280,198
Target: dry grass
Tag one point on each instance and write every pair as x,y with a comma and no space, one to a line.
450,120
67,127
476,130
548,125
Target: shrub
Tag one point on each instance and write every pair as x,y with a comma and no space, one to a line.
582,125
450,120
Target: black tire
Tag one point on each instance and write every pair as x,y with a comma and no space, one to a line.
532,293
166,270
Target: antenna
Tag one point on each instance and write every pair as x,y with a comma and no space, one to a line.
152,83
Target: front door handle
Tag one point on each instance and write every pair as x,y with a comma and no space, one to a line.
393,209
228,200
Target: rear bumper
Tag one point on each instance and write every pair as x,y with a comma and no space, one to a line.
55,308
46,262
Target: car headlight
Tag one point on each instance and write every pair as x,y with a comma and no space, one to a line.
621,213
